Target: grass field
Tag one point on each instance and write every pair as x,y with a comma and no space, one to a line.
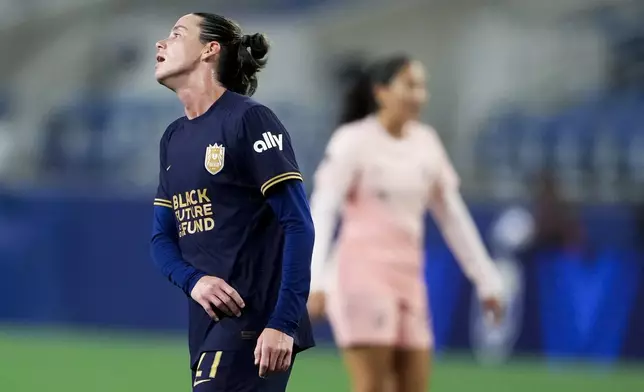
53,362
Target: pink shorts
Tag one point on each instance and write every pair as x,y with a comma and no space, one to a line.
377,320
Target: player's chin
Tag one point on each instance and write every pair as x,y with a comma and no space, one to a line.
163,78
169,78
160,75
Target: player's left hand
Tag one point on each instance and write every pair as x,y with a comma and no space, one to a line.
495,307
273,352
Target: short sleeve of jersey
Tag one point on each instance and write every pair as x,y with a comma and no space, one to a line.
163,198
270,158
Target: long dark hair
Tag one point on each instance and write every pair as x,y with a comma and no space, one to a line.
359,100
242,56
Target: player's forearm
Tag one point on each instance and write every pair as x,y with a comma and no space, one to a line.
325,204
290,205
166,254
333,179
462,237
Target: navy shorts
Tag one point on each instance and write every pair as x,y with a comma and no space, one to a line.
235,371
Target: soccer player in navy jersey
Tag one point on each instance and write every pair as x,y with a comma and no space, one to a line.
232,226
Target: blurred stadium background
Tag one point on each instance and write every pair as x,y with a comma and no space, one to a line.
540,103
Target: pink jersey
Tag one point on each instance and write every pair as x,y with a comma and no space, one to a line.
382,186
387,183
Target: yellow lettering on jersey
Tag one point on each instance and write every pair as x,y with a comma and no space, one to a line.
193,211
185,197
191,227
198,225
203,198
209,224
182,203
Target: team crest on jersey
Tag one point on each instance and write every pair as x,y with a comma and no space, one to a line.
214,162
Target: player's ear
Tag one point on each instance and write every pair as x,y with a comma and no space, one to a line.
210,50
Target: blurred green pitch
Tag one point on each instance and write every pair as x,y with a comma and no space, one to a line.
93,362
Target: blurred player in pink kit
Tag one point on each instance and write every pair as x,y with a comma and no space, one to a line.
382,171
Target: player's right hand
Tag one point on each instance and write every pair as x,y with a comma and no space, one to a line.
212,291
316,305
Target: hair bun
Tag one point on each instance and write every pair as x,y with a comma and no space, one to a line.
257,45
251,57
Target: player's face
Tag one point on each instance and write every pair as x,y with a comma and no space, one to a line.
180,53
407,93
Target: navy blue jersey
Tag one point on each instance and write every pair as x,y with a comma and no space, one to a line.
215,172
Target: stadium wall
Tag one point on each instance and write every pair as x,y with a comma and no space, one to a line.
75,260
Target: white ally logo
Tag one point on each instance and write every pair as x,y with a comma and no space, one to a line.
268,142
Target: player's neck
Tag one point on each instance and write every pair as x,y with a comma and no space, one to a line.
198,97
394,126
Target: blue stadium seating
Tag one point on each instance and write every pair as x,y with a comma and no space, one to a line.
599,139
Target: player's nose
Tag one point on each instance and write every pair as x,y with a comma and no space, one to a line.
160,44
